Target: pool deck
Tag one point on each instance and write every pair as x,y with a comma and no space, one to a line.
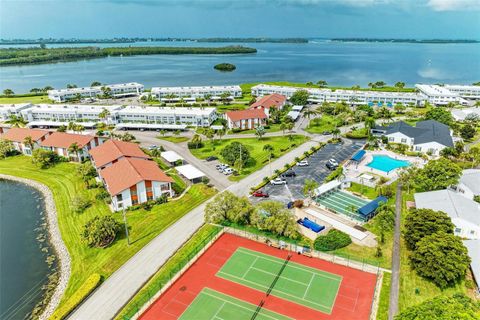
353,170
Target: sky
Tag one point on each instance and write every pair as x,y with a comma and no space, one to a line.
444,19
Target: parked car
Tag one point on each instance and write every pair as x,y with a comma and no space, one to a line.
302,163
331,166
152,147
278,181
220,167
326,133
289,173
333,162
211,158
228,171
260,194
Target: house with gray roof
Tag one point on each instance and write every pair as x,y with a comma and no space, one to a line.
464,212
427,136
469,183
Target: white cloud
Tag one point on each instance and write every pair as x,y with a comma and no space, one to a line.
454,5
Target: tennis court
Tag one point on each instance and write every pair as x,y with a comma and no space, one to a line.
341,202
213,305
298,283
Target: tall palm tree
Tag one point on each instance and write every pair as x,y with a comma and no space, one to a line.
16,121
104,114
28,141
335,132
208,97
268,148
74,148
283,126
309,113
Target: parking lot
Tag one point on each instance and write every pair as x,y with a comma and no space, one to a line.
316,170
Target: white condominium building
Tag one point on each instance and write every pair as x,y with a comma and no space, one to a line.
467,92
196,92
440,95
8,110
117,91
350,96
198,117
53,115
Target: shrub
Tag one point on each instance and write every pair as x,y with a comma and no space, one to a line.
44,158
86,288
100,231
80,203
298,203
333,240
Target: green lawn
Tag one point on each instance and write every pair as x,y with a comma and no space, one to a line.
325,123
258,157
143,225
365,191
384,301
32,99
174,139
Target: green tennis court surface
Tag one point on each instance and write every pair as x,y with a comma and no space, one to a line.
303,285
213,305
341,202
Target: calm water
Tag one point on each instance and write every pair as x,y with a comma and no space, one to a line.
338,63
23,269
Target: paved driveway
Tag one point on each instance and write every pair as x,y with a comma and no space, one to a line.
315,170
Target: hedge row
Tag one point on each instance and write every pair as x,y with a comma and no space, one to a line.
87,287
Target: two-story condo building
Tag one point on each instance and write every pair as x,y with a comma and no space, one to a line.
61,143
428,136
245,119
112,151
18,137
116,91
439,95
273,100
131,181
466,92
8,110
196,92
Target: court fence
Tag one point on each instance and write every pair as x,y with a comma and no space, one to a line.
154,290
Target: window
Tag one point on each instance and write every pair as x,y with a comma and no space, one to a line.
391,139
149,197
119,197
404,140
417,148
458,230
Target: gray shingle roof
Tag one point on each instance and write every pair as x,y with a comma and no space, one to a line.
424,132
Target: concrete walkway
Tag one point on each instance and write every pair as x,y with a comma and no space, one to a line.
122,285
395,284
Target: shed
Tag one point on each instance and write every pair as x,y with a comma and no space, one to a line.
368,210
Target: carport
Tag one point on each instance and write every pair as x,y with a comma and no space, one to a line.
172,157
191,173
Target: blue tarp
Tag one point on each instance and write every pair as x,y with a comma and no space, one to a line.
311,225
358,156
370,207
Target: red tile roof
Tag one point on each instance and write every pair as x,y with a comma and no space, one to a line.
128,172
246,114
65,140
19,134
115,149
272,100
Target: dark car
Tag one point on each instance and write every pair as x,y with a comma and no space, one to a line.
211,158
331,166
260,194
326,133
289,173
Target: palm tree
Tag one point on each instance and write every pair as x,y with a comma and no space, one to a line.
283,126
369,123
221,133
208,97
104,114
74,148
335,132
290,126
268,148
16,121
309,187
309,113
225,97
28,141
210,134
260,132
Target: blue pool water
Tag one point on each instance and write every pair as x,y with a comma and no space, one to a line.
386,163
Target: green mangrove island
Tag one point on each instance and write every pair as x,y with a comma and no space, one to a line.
225,67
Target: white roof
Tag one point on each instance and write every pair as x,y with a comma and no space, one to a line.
450,202
167,110
190,172
41,123
123,85
15,107
434,90
357,234
471,179
293,114
75,90
73,108
217,127
327,187
196,88
297,108
473,247
171,156
461,114
151,126
462,87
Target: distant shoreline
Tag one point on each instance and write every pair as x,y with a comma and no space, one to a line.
295,40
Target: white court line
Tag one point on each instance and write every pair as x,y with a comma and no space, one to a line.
308,288
245,273
219,309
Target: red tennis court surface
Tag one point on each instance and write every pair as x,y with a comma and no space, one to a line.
354,299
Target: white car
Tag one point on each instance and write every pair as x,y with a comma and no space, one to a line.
302,163
278,181
333,162
228,171
221,167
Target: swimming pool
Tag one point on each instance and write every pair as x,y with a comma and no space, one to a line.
386,163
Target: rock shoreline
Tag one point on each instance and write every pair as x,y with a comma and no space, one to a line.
56,241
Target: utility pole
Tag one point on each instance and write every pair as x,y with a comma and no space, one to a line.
126,226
